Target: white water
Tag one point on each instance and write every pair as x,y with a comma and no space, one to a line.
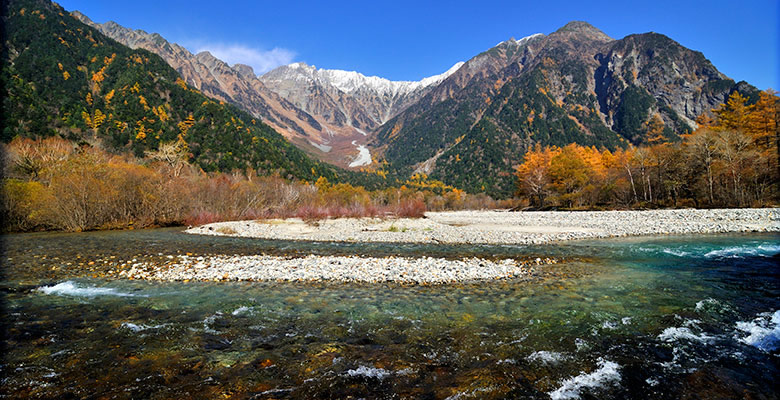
546,357
760,249
243,310
683,333
70,288
676,252
210,320
710,304
763,250
369,372
607,373
471,394
142,327
762,332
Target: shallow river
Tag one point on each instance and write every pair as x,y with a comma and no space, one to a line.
672,317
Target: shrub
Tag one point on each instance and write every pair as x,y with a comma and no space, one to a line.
25,205
412,208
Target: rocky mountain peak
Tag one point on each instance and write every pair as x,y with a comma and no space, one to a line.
237,84
583,28
351,81
348,98
245,71
79,16
206,57
575,85
519,42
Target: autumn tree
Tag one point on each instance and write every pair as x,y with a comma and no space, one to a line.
702,147
624,159
669,164
763,127
533,174
185,125
655,130
569,175
736,156
174,154
31,158
734,113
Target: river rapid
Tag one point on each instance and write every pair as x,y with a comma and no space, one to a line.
652,317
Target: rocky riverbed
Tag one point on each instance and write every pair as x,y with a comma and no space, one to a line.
424,270
503,227
461,227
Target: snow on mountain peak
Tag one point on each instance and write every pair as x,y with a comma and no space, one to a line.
301,65
351,81
521,40
527,38
436,79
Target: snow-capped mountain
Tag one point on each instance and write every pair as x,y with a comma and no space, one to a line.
347,97
239,85
329,113
351,81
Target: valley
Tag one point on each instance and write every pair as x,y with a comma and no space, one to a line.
590,89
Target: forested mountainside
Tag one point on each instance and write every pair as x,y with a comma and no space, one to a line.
238,85
320,111
576,85
61,77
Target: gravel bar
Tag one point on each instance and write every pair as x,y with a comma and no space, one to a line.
504,227
421,271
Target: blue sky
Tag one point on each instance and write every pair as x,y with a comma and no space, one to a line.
409,40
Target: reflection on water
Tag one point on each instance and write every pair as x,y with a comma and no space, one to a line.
638,318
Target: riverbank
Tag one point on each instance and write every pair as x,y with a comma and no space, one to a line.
503,227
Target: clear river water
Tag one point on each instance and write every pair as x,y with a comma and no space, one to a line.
653,317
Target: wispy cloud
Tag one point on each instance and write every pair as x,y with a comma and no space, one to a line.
261,61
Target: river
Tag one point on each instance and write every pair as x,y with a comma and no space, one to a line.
659,317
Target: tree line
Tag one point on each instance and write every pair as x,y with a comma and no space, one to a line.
730,160
54,184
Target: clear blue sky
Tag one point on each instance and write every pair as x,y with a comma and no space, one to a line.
408,40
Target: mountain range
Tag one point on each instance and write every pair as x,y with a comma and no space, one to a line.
235,84
470,125
575,85
348,97
325,112
61,77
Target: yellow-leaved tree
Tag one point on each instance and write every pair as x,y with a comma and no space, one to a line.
533,175
734,114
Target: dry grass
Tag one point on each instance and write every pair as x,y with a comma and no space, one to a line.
226,230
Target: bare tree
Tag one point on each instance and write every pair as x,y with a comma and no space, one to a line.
702,147
172,153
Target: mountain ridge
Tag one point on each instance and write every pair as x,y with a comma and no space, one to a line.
63,77
350,81
353,99
574,85
239,85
